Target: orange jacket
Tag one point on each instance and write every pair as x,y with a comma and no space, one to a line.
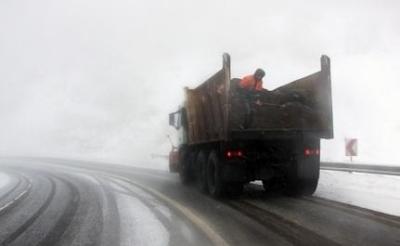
250,83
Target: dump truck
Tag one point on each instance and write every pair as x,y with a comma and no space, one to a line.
280,146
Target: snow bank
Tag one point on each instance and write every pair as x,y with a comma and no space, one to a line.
372,191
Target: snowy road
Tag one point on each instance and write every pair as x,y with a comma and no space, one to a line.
70,207
62,202
372,191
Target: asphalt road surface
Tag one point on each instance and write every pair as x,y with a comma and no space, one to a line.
65,202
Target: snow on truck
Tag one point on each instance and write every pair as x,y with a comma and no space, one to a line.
281,145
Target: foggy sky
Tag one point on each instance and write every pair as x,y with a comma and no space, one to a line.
96,79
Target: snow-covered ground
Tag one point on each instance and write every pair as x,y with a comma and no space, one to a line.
4,180
372,191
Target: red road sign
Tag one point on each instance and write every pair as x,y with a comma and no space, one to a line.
351,146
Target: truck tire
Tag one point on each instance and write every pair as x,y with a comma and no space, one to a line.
185,163
214,175
201,174
303,178
302,188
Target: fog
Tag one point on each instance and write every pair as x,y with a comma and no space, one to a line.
97,79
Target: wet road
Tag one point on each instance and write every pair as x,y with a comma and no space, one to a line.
64,202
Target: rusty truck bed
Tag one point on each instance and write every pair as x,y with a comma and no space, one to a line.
215,109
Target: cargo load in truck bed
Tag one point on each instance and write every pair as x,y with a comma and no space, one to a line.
216,110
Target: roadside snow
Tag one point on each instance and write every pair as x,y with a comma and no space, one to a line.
4,180
372,191
139,226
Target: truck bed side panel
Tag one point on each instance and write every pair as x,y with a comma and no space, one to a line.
205,108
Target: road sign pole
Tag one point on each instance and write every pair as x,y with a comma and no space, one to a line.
351,147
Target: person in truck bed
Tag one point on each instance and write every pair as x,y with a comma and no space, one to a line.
249,85
253,82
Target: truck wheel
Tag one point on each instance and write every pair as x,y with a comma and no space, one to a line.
184,168
214,176
303,178
201,176
308,187
184,175
302,188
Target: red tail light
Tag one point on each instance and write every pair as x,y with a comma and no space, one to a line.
233,153
309,152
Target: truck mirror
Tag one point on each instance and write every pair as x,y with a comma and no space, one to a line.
172,119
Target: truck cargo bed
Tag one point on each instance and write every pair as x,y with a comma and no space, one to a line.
216,109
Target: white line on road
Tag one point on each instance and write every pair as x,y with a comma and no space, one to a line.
10,203
215,238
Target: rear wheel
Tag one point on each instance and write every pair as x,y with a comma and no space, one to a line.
185,162
303,177
201,178
302,188
214,175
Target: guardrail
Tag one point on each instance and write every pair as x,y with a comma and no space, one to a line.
362,168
